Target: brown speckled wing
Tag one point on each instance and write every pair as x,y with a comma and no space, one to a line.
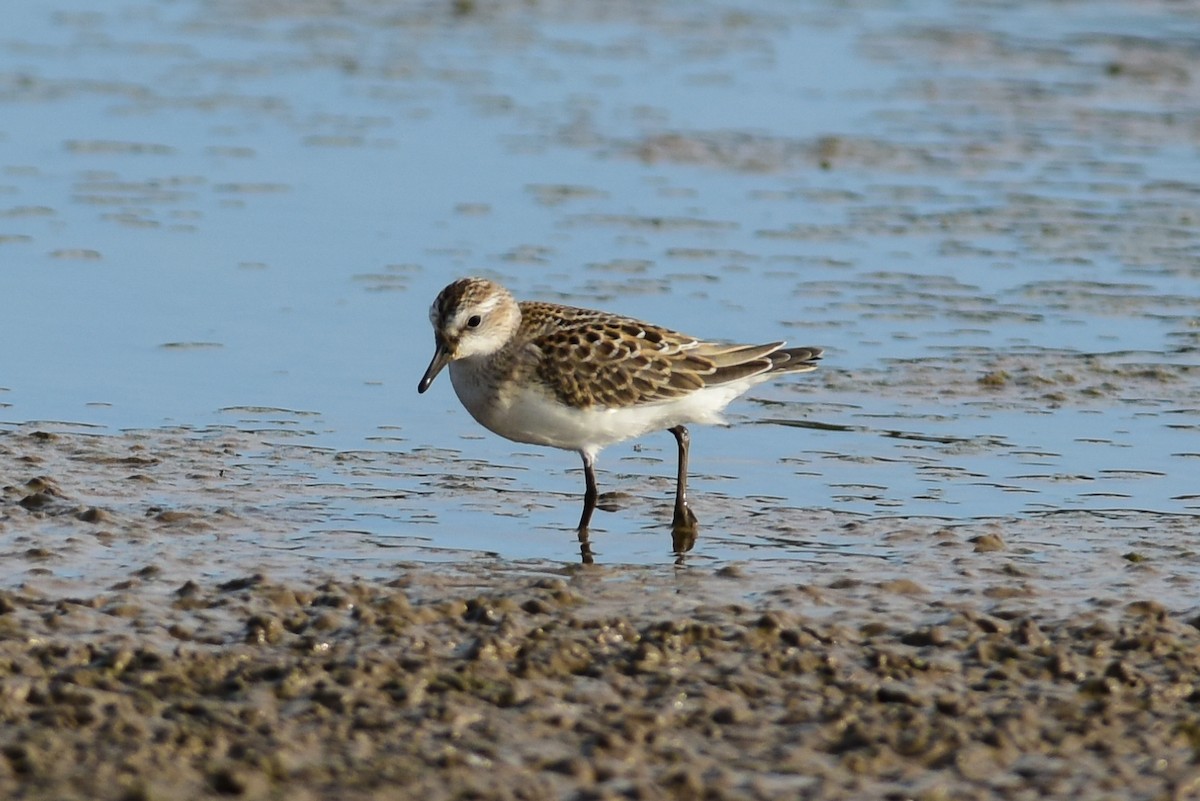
594,359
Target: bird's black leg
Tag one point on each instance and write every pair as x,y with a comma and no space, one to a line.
590,495
683,525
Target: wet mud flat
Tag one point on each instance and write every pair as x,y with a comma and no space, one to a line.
181,666
578,687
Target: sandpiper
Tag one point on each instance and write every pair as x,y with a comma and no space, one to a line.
580,380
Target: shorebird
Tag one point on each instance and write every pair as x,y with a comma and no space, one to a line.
581,380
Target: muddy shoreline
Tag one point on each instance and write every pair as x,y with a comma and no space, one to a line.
584,687
185,675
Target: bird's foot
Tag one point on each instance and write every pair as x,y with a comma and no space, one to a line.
585,546
683,529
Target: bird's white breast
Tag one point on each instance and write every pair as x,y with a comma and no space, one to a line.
529,412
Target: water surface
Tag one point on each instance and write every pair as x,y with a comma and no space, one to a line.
231,217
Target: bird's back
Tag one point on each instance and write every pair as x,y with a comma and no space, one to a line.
595,359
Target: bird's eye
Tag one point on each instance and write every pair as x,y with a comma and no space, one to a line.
474,320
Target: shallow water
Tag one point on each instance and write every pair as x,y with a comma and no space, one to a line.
232,217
